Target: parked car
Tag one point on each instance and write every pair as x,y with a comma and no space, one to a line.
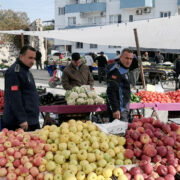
55,56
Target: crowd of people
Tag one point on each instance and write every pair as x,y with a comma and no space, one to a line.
21,97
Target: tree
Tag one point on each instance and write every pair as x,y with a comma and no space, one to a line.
10,20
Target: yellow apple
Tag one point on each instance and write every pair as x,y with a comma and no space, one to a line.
50,166
91,157
80,175
102,163
62,146
100,177
107,172
87,168
48,176
122,177
99,171
82,154
121,141
92,176
117,172
127,161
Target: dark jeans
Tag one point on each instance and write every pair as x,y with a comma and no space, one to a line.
101,74
30,127
38,64
90,68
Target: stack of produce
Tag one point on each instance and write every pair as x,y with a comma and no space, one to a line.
134,98
154,141
152,97
21,155
1,100
79,96
80,150
174,95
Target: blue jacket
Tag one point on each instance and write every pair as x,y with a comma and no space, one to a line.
21,97
118,88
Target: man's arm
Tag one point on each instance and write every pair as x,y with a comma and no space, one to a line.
65,81
13,87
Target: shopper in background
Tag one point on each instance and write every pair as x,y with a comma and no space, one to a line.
159,58
102,63
177,72
76,74
38,59
118,87
21,97
145,57
89,61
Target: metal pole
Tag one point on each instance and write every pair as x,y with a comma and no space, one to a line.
22,39
46,49
139,58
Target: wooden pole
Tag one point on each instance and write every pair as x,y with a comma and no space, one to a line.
139,58
22,39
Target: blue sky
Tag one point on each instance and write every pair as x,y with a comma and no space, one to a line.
35,9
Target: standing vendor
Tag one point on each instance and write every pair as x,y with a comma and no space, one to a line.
21,97
118,87
76,74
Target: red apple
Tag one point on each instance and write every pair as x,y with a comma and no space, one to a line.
135,135
169,177
157,158
171,170
144,138
128,154
138,144
137,152
10,151
161,150
148,168
162,170
17,155
40,176
3,162
149,150
147,158
135,170
3,172
1,147
16,163
34,171
11,176
174,126
168,141
149,132
138,177
37,161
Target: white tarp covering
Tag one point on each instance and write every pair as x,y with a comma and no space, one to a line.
154,33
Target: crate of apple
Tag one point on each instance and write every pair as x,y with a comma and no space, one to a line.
21,155
154,141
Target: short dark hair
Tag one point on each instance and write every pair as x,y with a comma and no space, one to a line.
126,50
118,52
75,56
101,52
25,48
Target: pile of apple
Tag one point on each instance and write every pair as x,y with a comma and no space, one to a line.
80,150
151,140
1,100
21,155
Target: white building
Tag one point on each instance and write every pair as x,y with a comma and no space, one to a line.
86,13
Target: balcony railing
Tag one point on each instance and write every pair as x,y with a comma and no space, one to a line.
88,7
136,3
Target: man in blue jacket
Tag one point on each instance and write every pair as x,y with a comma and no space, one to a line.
21,97
118,87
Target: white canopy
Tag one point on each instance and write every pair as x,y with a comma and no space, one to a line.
161,33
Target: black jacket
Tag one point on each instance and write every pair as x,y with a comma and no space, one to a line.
102,61
21,97
118,88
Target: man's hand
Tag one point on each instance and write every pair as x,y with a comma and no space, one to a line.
116,115
91,88
24,126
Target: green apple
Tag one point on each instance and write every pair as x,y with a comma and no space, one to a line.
91,157
73,157
62,146
117,172
127,161
49,141
110,165
82,154
104,146
57,177
48,176
59,159
99,155
107,157
102,163
120,155
92,176
87,168
111,152
50,166
80,175
73,168
119,162
100,177
107,172
49,155
99,170
111,145
66,153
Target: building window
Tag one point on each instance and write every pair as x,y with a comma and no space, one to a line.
93,46
130,18
112,47
71,21
61,10
115,19
94,20
165,14
79,45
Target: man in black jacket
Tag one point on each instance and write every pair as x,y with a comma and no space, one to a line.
118,87
21,97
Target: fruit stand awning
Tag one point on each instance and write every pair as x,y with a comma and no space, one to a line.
162,33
